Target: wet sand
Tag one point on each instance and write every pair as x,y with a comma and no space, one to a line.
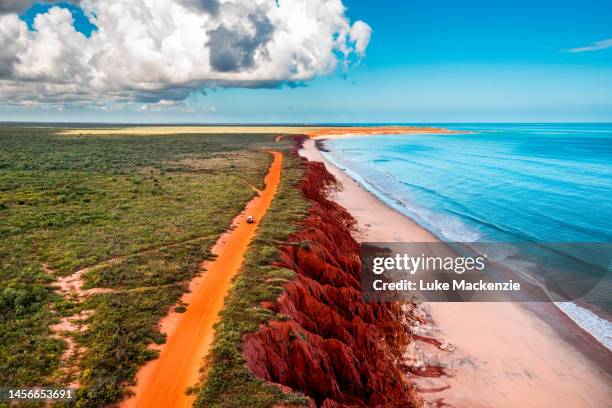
505,356
163,382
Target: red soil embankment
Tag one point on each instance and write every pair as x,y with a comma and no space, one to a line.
337,349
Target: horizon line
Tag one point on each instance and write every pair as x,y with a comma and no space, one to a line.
286,124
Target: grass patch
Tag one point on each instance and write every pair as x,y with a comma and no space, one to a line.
228,381
157,203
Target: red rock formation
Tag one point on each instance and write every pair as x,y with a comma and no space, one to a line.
335,348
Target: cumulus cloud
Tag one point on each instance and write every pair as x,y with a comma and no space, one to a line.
210,6
596,46
360,33
14,6
18,6
233,49
161,50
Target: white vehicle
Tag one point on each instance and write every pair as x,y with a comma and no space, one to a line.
250,219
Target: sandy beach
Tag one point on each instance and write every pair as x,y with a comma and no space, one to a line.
504,354
312,131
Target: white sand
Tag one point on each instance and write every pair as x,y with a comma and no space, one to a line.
314,131
505,356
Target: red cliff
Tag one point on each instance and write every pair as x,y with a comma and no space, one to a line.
335,348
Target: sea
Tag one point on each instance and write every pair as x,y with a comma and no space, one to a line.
545,186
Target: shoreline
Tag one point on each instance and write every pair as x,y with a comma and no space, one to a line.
575,313
505,351
312,131
364,131
600,347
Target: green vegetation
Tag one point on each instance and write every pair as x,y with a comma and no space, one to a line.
151,205
228,381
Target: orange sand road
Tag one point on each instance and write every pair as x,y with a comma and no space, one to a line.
162,383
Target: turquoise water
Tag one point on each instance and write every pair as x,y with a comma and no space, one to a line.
541,183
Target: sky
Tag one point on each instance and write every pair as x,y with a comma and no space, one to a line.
306,61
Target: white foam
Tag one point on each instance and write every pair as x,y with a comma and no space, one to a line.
444,226
600,328
452,229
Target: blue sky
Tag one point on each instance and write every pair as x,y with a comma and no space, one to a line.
428,61
80,20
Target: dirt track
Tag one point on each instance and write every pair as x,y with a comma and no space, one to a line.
163,382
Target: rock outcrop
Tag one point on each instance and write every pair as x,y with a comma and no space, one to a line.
332,346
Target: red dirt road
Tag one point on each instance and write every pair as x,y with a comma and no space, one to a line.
162,383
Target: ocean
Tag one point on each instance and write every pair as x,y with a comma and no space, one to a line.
540,185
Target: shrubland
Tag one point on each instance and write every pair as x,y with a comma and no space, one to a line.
133,216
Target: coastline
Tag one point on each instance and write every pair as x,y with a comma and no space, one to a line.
312,131
503,350
364,131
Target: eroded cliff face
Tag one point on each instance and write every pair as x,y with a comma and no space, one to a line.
335,348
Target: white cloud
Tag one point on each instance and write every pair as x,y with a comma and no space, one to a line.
14,6
361,33
161,50
164,104
18,6
596,46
